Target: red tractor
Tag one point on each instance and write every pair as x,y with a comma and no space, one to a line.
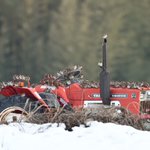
68,89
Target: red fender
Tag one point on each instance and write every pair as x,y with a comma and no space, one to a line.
61,92
29,92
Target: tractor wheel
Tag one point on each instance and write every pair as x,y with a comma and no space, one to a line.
13,114
20,101
14,107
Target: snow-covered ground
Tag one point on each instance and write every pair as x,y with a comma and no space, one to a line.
98,136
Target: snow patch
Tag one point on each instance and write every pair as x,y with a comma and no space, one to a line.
105,136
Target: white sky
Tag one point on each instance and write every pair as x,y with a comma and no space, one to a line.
98,136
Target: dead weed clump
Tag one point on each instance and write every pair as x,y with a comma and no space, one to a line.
82,116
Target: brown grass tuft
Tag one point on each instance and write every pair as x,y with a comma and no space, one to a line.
117,115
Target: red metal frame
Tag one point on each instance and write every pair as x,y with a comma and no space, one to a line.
128,98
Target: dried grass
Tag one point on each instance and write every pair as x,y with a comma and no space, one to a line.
80,116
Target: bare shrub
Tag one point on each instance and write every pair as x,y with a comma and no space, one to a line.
80,116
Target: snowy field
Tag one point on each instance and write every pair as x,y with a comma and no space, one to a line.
98,136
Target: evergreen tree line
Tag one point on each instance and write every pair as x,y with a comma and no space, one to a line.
45,36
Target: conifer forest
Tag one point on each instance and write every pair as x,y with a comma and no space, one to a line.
45,36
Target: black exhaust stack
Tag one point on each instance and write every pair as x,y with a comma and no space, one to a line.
104,75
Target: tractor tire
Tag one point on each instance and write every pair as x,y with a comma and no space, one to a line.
15,108
13,114
18,101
